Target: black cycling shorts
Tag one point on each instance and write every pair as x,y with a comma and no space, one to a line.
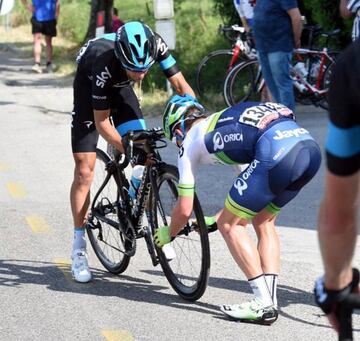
47,28
125,109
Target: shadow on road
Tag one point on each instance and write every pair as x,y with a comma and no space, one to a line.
16,273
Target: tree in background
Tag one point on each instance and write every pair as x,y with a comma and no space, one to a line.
323,12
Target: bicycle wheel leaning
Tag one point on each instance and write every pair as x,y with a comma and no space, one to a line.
211,72
188,272
243,83
103,221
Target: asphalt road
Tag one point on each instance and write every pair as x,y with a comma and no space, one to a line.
39,300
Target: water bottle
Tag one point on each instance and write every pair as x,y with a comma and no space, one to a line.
301,69
136,177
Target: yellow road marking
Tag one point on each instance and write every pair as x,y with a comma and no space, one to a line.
117,335
16,190
4,167
64,267
38,224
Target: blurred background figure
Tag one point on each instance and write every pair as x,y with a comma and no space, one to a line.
116,21
43,21
348,9
246,13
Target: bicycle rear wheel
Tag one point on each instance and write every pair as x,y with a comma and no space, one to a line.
243,83
188,273
210,74
103,222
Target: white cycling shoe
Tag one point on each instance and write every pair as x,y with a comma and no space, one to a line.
80,268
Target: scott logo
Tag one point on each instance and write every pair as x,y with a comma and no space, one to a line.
240,185
289,133
218,142
104,76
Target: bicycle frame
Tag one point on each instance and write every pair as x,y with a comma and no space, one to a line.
324,57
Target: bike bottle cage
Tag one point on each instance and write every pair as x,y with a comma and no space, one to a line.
327,299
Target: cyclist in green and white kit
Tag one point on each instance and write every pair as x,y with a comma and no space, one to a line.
281,156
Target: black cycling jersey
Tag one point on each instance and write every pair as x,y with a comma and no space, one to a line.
101,83
343,141
97,61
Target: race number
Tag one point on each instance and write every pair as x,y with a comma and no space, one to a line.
261,115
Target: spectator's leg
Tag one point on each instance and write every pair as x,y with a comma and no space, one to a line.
267,74
37,47
49,49
280,68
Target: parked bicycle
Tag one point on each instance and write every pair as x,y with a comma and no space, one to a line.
116,221
311,74
212,69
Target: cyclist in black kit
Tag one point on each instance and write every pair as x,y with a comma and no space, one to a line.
337,225
107,66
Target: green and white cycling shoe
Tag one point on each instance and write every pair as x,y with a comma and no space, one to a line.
252,311
211,223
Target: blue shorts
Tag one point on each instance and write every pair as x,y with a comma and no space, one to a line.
286,159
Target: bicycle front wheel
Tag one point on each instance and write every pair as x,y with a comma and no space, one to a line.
188,272
103,222
243,83
210,74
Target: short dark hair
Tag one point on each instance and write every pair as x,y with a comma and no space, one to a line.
115,10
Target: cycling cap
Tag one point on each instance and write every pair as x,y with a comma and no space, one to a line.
176,112
135,46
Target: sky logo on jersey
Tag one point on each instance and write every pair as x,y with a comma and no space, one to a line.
289,133
104,76
218,142
240,185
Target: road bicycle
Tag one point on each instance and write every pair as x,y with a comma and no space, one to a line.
116,221
211,70
311,74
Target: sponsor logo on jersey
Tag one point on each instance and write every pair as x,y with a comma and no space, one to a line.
98,97
103,77
88,123
225,119
284,134
240,185
279,153
250,169
218,142
181,151
163,48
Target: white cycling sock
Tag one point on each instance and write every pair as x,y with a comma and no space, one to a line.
79,238
261,290
272,281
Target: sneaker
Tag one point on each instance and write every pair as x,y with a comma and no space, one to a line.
37,68
50,68
80,267
252,311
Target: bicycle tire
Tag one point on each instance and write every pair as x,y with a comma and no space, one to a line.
106,240
326,81
240,83
188,273
210,74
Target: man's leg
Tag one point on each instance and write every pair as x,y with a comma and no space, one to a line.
269,249
337,228
49,50
280,69
80,200
37,53
270,85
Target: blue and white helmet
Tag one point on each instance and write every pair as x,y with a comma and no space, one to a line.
135,46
